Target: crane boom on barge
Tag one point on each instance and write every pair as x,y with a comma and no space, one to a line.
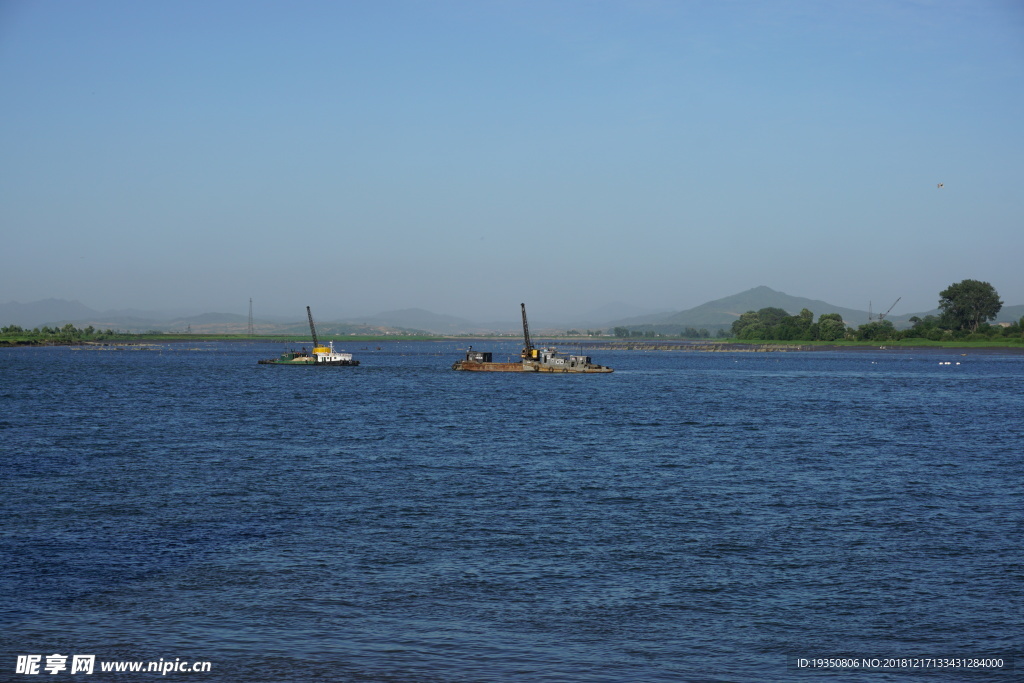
533,359
527,342
312,328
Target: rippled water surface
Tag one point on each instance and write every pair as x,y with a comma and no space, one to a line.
692,516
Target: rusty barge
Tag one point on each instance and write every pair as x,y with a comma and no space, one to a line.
533,359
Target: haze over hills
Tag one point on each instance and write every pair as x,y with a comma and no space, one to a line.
712,315
722,312
421,320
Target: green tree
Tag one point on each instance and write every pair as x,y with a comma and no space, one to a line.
795,326
831,327
923,327
876,330
967,304
772,316
755,331
745,320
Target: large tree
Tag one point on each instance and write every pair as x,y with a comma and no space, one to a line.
744,321
967,304
773,315
831,327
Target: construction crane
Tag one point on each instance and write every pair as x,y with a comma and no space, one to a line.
528,350
312,329
881,316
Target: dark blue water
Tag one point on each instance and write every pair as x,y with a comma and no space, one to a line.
693,516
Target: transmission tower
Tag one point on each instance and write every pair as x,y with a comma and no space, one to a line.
251,333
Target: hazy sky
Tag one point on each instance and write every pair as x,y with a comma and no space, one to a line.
463,156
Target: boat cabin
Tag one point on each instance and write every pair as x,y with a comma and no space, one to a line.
478,356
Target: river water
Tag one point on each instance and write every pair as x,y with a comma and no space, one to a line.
692,516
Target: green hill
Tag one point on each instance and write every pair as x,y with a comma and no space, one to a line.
721,313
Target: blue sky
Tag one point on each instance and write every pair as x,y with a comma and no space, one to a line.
465,156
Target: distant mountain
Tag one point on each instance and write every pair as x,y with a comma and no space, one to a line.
732,307
138,314
712,316
722,312
1010,314
46,312
599,317
214,318
417,319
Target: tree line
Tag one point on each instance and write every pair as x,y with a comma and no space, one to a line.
965,309
67,333
688,333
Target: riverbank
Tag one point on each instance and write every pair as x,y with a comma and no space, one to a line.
765,347
706,346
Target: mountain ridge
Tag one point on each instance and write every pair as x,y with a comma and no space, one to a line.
712,315
722,312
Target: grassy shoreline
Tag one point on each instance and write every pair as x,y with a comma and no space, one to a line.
624,343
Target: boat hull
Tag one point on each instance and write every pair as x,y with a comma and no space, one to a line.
471,366
329,363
